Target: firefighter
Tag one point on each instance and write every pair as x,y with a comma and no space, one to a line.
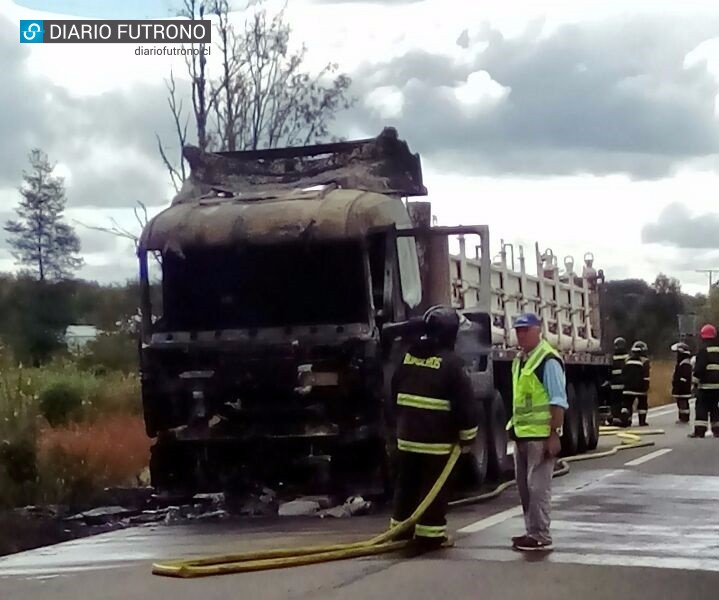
616,382
682,381
706,373
435,409
643,401
635,374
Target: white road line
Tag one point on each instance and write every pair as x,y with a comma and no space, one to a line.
647,457
491,521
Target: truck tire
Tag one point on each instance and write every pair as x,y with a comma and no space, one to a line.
570,438
497,436
586,411
593,407
472,467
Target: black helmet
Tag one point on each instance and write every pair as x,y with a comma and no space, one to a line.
442,324
620,344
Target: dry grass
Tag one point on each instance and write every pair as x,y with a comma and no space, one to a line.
80,459
660,390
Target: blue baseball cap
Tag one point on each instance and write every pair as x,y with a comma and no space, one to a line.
527,320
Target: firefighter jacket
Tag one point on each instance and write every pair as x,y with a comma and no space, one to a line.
706,367
616,381
531,414
636,375
682,379
435,405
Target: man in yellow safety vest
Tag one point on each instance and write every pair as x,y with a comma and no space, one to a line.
539,399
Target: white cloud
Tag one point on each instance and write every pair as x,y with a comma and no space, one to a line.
387,101
479,90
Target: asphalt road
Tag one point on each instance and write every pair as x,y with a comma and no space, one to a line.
641,524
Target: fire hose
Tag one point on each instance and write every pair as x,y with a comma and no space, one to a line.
383,543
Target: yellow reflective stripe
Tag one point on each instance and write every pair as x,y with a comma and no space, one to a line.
618,386
701,423
712,367
620,357
712,348
634,362
468,434
709,386
422,402
628,393
430,531
423,447
431,362
616,371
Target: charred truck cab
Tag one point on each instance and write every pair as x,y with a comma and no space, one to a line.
291,283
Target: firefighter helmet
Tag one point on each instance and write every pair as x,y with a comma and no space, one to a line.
620,344
640,347
681,348
442,324
708,332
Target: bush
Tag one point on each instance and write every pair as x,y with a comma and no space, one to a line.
116,351
61,403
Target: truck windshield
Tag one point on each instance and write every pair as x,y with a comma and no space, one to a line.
264,286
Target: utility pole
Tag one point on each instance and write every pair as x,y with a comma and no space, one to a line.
710,272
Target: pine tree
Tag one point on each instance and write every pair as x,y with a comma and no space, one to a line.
39,238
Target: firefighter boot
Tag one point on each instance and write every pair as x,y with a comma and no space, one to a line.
642,419
700,429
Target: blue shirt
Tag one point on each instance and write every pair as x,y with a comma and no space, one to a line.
555,382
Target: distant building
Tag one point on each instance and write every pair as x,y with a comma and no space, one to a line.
76,336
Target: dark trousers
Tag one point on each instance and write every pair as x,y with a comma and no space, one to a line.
616,403
642,408
416,474
628,400
707,412
682,408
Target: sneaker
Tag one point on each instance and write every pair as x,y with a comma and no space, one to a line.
529,544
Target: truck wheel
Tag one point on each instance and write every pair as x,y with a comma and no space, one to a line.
570,439
586,410
497,434
472,467
593,408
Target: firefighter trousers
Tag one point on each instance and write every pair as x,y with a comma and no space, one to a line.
683,407
616,403
707,412
642,407
416,474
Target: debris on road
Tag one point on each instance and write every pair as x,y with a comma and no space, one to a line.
354,505
102,515
298,508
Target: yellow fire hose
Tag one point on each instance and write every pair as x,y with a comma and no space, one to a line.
292,557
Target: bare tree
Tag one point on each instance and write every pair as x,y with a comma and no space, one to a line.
177,174
263,97
141,216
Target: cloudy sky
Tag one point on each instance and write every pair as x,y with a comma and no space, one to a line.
581,125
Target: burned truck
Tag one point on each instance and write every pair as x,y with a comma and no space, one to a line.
291,282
